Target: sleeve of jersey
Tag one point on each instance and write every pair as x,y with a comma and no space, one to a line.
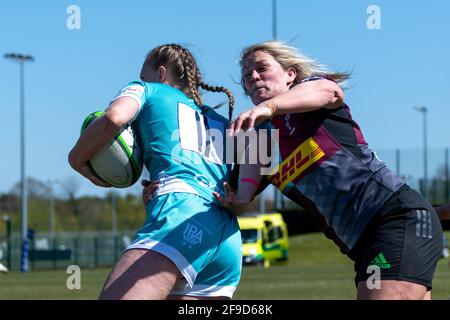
135,90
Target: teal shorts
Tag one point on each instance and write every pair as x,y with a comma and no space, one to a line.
200,238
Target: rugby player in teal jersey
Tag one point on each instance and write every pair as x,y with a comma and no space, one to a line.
188,246
389,230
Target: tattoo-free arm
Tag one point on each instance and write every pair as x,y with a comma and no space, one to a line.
102,130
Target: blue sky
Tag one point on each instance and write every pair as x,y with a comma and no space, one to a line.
401,65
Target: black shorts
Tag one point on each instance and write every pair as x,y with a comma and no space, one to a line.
404,240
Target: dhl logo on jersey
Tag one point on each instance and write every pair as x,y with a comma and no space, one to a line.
298,161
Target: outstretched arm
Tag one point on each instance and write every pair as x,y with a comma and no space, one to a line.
304,97
237,202
99,133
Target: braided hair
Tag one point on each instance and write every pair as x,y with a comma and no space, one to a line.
183,66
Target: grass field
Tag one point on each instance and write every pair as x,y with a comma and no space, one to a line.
316,270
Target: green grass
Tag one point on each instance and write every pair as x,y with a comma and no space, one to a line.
315,270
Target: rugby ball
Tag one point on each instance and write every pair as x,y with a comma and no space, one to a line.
119,163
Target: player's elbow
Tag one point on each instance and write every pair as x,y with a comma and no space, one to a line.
74,160
338,96
332,94
115,120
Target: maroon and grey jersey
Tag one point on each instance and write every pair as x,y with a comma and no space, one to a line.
327,167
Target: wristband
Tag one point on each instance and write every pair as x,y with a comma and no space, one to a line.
250,180
271,105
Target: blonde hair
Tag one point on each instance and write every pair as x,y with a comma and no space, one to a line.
290,57
183,66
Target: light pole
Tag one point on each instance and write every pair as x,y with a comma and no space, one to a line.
274,19
21,59
424,111
51,183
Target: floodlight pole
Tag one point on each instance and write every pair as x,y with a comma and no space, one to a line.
274,19
21,59
51,183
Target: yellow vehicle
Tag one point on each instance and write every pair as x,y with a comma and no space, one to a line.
264,239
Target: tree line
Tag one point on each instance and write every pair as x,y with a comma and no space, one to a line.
71,213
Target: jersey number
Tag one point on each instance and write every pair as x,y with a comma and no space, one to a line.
201,134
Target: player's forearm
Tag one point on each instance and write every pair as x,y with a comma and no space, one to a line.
309,96
96,135
249,179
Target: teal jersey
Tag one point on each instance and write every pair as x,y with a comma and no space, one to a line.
182,146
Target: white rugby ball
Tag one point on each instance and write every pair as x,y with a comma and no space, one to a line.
119,163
